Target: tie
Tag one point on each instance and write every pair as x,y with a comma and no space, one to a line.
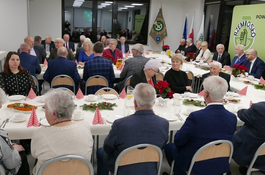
66,45
238,59
219,57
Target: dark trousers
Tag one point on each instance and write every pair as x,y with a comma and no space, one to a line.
24,169
101,169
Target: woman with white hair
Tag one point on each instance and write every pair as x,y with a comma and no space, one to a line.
13,158
86,54
63,136
205,54
147,74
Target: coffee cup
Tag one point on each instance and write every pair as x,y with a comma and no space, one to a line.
91,97
19,116
251,77
177,96
78,114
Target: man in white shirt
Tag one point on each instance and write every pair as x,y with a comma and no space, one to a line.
67,44
122,45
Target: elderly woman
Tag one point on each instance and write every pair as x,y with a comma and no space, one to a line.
205,54
86,54
14,79
177,79
147,74
63,136
12,156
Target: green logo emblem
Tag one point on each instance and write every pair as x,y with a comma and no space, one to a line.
245,33
158,26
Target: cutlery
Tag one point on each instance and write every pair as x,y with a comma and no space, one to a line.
2,123
179,117
7,120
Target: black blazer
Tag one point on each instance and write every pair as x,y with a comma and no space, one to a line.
126,47
71,46
225,58
140,78
41,54
52,45
221,74
192,48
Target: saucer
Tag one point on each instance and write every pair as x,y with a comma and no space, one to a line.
18,120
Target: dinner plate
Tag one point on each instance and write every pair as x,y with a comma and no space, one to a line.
24,112
111,119
77,119
16,97
109,96
18,120
44,122
170,118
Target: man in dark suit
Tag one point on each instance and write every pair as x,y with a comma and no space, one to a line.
181,46
67,44
37,42
254,64
240,57
59,43
61,65
48,43
113,51
141,127
29,62
222,56
216,70
190,47
199,48
250,136
201,127
122,45
98,66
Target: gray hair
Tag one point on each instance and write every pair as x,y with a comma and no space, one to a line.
189,40
2,96
220,45
241,47
216,63
144,95
24,47
89,43
60,39
82,37
48,36
62,52
87,40
139,48
61,102
115,41
216,87
152,64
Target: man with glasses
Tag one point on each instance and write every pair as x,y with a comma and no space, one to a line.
58,44
113,51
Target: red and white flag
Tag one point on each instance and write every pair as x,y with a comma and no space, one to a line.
191,34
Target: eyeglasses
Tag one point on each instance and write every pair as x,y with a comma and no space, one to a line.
154,70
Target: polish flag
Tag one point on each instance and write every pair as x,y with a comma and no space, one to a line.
191,35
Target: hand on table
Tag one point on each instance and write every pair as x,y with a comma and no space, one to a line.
188,88
81,63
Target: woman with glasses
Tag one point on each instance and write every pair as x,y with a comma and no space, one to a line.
205,54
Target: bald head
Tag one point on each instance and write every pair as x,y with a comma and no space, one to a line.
182,42
29,40
251,54
24,48
62,52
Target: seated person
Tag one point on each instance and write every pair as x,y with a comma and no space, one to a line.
221,55
181,46
141,127
216,70
12,156
147,74
201,127
113,51
63,136
122,45
249,137
199,48
190,47
240,57
86,54
205,54
14,79
177,79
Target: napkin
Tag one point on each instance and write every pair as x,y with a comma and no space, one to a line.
243,91
250,104
127,54
201,93
262,81
121,66
76,62
147,52
79,94
31,94
123,94
97,118
33,120
45,62
143,55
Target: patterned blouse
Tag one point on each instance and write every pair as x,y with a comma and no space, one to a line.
17,84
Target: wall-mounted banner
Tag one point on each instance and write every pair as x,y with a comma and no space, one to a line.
247,28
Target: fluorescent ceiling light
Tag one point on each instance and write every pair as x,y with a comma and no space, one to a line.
137,4
129,6
122,8
108,2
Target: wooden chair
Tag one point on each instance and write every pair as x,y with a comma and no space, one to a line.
68,91
212,150
127,81
141,153
63,79
260,152
66,165
159,77
96,80
106,90
191,79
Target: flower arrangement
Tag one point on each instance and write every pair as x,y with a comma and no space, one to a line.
165,47
109,57
238,69
190,56
194,102
101,106
163,90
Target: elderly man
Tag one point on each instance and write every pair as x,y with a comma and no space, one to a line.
29,62
240,57
181,46
221,55
216,70
113,51
67,44
201,127
122,45
61,65
254,64
141,127
190,47
132,65
58,44
37,42
80,44
199,48
98,66
48,43
249,137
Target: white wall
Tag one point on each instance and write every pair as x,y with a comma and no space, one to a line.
14,28
45,17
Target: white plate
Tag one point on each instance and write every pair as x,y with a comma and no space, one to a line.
111,119
16,97
170,118
41,99
44,122
25,112
91,98
109,96
77,119
18,120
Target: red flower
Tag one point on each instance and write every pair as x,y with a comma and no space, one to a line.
163,90
165,47
109,57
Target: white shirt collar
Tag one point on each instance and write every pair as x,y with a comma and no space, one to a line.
214,104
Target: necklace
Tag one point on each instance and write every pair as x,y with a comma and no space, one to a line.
60,122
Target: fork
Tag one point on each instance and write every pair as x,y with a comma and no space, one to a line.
179,117
7,120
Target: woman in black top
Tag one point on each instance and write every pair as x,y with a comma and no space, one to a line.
177,79
15,80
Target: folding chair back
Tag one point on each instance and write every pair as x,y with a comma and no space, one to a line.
260,152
